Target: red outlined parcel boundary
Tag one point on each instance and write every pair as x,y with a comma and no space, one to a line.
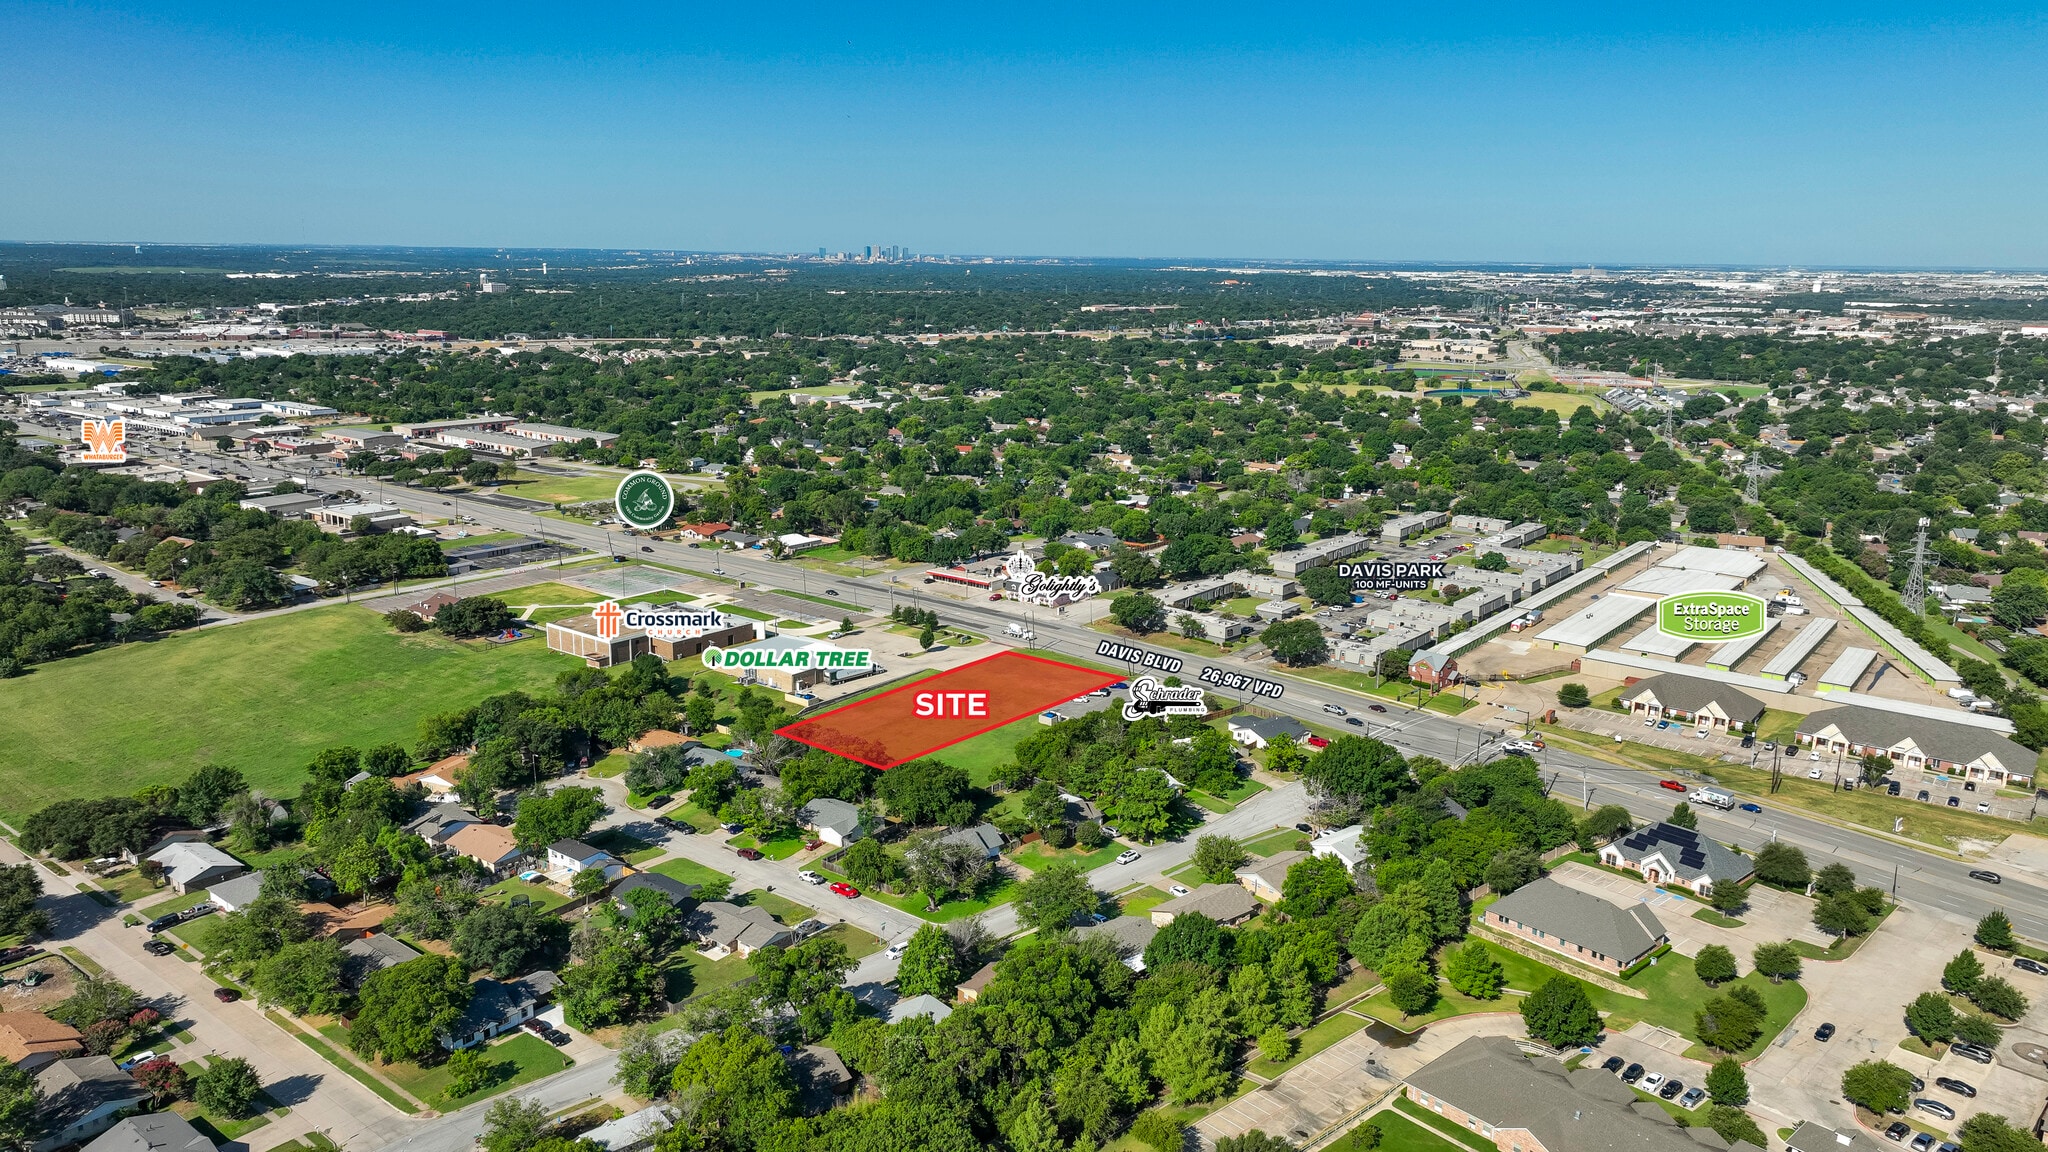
884,731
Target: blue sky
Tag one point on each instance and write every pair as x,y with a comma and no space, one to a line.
1779,134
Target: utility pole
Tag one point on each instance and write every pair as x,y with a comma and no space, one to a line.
1916,577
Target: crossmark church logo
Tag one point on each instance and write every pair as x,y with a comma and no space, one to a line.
610,620
106,441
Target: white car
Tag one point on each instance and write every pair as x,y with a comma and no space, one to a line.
1128,857
897,949
1815,774
1813,755
1649,1083
810,877
1178,889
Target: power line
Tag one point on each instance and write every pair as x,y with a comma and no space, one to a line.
1916,578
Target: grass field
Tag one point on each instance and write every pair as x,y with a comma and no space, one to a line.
262,697
561,489
1408,1128
517,1061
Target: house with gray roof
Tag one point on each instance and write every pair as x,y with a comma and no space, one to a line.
192,865
832,820
1577,924
1259,731
499,1006
1223,903
1919,743
372,952
670,888
1486,1085
1705,703
740,928
440,821
1131,935
1668,854
238,893
821,1078
82,1097
634,1130
152,1132
1267,878
985,838
922,1004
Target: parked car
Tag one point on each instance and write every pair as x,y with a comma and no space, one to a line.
1986,875
1968,1051
2028,964
810,928
1671,785
841,888
1824,1033
897,949
1923,1142
1935,1108
1178,889
1692,1097
1955,801
810,877
1632,1073
537,1026
1651,1081
1951,1084
1897,1130
137,1060
1671,1089
1922,797
1613,1064
1129,856
558,1038
750,853
1815,774
159,947
226,995
1751,807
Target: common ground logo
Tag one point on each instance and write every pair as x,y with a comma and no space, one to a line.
644,500
1151,698
1711,617
106,441
659,623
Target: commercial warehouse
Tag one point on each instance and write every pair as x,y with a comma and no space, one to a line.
1586,629
1794,654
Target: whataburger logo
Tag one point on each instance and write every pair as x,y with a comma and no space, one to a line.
1712,617
661,624
106,441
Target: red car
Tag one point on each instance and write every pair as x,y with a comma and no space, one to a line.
1674,785
226,995
845,889
1318,742
749,853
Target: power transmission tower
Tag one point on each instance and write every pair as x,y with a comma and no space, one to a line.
1670,426
1749,488
1916,578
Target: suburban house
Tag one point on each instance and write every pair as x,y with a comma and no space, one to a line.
1346,844
499,1006
181,836
986,838
1706,704
820,1076
430,607
1266,878
489,845
1668,854
82,1097
572,856
193,865
923,1004
634,1130
1486,1085
29,1040
238,893
1260,731
671,889
736,928
971,988
834,821
371,953
1223,903
152,1132
437,778
707,531
1577,924
440,821
1131,935
1918,743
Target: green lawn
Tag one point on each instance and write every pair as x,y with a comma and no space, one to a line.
1716,919
778,849
547,592
858,942
628,848
1310,1042
347,1066
689,871
520,1060
1245,790
561,489
1037,856
338,673
982,755
788,911
690,974
1401,1131
1273,843
1140,900
995,895
540,893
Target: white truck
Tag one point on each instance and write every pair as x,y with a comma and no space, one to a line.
1020,632
1714,797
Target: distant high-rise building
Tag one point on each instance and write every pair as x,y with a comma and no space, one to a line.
821,253
868,253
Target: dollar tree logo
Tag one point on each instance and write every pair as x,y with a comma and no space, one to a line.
644,500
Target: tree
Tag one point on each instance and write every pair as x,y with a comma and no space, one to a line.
1139,612
1056,896
940,868
1192,1058
868,864
1410,987
1218,858
927,637
20,887
509,938
1878,1085
1033,1129
1991,1132
1189,938
1835,880
1782,865
1472,969
1728,897
1142,805
1932,1017
647,1059
403,1010
926,792
1961,974
1682,816
1325,586
616,985
1296,643
468,1072
1559,1013
1284,755
930,966
1841,915
1778,962
1714,964
1603,824
1511,868
1314,885
1369,772
1043,806
743,1083
228,1086
1727,1083
515,1124
163,1078
1996,995
1573,696
1735,1126
204,793
473,616
563,814
1158,1131
305,978
1994,931
1983,1031
1730,1022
